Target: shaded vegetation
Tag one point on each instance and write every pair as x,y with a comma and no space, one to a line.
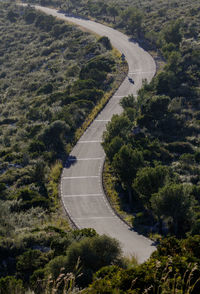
141,19
48,87
52,77
153,146
173,268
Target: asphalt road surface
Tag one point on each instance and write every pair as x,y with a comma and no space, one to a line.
81,182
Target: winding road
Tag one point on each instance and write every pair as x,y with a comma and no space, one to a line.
81,182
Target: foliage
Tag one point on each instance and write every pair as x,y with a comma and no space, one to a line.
144,19
53,79
113,193
93,253
173,268
149,180
174,203
161,126
56,90
11,285
49,103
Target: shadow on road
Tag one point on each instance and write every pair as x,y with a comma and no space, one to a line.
71,160
74,15
143,43
154,242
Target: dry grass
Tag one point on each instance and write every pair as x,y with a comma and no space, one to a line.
176,284
109,181
54,177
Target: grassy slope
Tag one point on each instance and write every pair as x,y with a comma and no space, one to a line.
42,60
38,72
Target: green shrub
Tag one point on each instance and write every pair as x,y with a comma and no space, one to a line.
106,42
11,285
180,147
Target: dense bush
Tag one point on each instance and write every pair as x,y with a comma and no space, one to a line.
173,267
92,253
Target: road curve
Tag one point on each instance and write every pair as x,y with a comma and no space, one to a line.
81,182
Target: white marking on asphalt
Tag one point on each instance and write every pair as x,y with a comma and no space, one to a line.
140,72
99,120
135,95
81,177
82,195
93,158
94,217
82,142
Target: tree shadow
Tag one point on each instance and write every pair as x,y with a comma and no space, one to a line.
143,43
68,14
154,242
71,160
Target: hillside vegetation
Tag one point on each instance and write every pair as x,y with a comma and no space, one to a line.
52,76
152,149
173,268
142,19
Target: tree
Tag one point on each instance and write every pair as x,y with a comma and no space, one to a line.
93,253
106,42
53,135
154,112
156,106
126,163
30,16
76,4
69,5
174,203
3,191
174,62
172,33
103,6
113,147
148,181
167,83
113,11
11,15
30,261
128,101
132,18
10,284
119,126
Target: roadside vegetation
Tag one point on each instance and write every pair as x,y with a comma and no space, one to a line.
173,268
48,88
153,147
159,131
141,19
51,77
